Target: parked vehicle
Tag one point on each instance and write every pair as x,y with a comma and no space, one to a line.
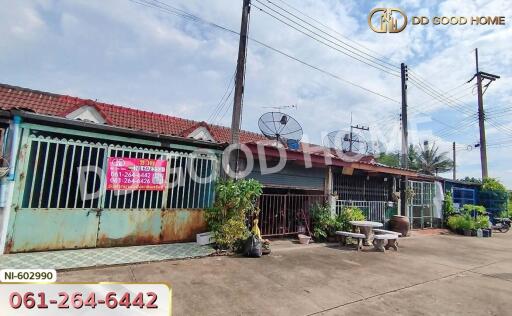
501,224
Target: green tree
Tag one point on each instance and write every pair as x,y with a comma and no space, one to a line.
393,159
493,185
471,180
431,161
389,159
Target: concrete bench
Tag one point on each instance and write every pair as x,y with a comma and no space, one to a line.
357,236
383,231
379,240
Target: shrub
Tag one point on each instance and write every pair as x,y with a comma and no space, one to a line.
473,210
482,222
453,222
461,222
234,200
448,207
349,214
324,224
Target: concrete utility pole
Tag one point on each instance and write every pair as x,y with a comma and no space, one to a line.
405,143
239,84
352,127
454,162
481,114
405,133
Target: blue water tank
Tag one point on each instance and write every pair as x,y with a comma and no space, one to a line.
293,144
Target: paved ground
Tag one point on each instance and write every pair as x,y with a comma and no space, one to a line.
431,275
84,258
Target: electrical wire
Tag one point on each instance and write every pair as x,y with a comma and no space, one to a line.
367,62
169,9
222,100
381,57
346,46
439,97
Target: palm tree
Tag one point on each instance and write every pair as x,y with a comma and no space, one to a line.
431,161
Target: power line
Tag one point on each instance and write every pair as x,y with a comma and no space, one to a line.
225,106
336,32
325,71
381,61
368,62
439,97
197,19
428,103
430,87
222,100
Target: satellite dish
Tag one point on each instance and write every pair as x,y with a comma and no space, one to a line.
280,126
346,142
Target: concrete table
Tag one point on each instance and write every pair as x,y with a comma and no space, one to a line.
366,227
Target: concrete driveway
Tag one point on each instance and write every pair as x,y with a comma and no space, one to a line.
431,275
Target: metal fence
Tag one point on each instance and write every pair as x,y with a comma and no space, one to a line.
362,188
286,214
377,211
70,174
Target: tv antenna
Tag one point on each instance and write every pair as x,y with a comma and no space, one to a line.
279,108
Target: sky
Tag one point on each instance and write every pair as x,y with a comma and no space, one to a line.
125,53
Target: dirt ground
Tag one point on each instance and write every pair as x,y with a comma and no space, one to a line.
430,275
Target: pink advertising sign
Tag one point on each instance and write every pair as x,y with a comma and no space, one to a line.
136,174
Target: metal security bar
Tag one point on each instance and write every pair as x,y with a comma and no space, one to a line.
192,180
373,210
285,214
421,206
134,199
361,188
56,174
70,174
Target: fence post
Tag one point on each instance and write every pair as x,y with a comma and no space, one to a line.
332,203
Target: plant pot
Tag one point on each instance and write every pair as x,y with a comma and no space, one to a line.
487,232
467,232
303,239
399,224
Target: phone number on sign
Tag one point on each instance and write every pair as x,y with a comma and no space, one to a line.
77,300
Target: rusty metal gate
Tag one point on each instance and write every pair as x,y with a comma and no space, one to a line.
285,214
61,200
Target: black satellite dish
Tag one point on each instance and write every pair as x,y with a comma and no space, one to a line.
346,142
281,127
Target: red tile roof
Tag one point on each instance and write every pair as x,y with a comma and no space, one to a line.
12,97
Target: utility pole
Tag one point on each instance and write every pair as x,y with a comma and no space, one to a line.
351,136
481,114
239,85
405,143
454,162
405,133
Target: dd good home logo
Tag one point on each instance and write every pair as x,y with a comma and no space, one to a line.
387,20
393,20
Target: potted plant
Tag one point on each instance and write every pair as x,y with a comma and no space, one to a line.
468,225
234,201
324,225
